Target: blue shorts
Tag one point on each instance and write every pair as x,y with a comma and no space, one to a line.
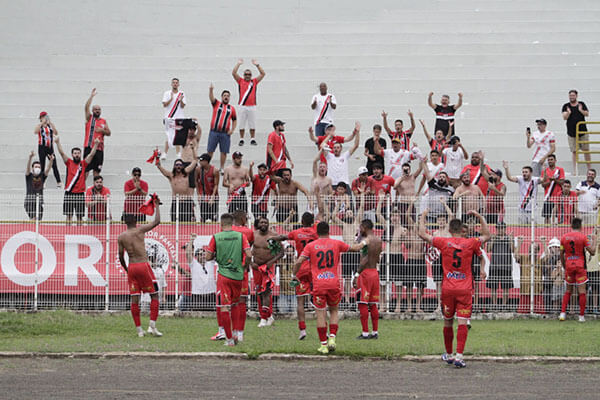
220,138
320,129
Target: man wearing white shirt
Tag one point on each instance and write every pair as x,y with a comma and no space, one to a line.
198,282
528,188
323,103
543,143
454,157
337,162
589,195
173,101
394,157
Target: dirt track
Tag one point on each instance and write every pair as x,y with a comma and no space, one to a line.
246,379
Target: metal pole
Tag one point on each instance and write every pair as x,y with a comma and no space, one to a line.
532,256
37,257
388,288
176,252
107,253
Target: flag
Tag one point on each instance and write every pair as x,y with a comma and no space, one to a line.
148,207
154,159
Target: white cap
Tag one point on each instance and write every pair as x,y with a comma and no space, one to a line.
554,242
362,170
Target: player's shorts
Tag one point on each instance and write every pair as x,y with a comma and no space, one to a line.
140,278
500,274
74,203
582,146
350,262
97,160
246,115
218,138
228,291
264,278
415,272
305,278
368,286
328,297
575,274
245,286
459,302
547,209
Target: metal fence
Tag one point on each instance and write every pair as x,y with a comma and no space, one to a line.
48,263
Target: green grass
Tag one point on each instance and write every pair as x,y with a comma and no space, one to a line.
63,331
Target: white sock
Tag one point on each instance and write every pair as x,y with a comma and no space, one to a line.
152,324
459,356
374,333
240,335
365,334
139,329
221,330
303,331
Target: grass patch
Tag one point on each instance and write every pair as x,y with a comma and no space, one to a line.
63,331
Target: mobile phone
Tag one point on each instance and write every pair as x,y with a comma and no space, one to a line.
528,130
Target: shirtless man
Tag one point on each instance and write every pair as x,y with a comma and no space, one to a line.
415,270
190,151
178,178
320,177
367,281
287,199
140,277
263,270
405,190
235,179
470,195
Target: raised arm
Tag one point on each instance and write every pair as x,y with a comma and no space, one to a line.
459,102
28,166
508,175
465,154
156,221
90,156
88,103
412,121
356,137
211,94
482,168
385,123
430,100
236,67
166,174
447,207
311,135
315,165
188,170
261,72
529,140
425,131
485,230
422,231
60,149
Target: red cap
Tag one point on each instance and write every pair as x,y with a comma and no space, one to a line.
43,114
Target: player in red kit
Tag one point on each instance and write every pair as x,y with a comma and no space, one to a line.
324,257
457,284
302,279
572,256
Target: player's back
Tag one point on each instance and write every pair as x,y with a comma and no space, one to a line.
457,254
574,243
324,256
133,242
302,237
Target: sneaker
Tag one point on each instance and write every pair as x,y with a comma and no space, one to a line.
270,321
154,332
459,363
229,342
221,171
323,349
374,336
562,316
253,143
163,156
302,335
363,337
218,336
140,331
262,323
469,324
581,318
448,358
241,143
179,155
331,343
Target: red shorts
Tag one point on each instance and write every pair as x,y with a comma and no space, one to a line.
244,291
263,278
459,302
140,278
228,291
368,286
304,277
328,297
575,274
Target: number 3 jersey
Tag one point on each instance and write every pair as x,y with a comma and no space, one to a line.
457,254
324,257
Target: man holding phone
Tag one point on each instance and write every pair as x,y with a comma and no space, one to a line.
543,143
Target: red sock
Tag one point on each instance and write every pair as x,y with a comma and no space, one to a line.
264,312
153,309
226,318
270,305
235,317
135,313
565,303
302,325
219,318
333,329
322,334
364,316
259,302
242,316
374,317
448,338
582,300
461,338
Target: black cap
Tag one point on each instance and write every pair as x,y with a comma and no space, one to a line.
541,121
136,169
204,157
237,154
277,123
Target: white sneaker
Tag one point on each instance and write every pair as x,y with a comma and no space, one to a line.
562,316
140,331
270,321
154,331
302,335
581,318
179,155
262,323
163,156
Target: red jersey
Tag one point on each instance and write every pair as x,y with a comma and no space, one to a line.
405,136
302,237
324,257
205,181
134,201
247,91
573,244
494,203
46,136
356,183
75,182
438,146
97,212
277,140
261,187
457,255
91,132
566,206
222,117
386,183
246,232
476,177
553,190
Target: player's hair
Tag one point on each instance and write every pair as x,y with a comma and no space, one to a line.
443,172
367,224
75,149
341,185
175,79
446,96
529,168
257,221
308,219
434,152
173,171
282,170
377,166
36,162
225,91
129,219
406,165
552,155
377,127
573,91
576,223
455,226
566,181
226,219
322,228
97,178
239,216
593,170
399,120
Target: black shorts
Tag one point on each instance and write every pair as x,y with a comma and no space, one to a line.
415,272
491,218
500,275
97,160
547,209
350,263
191,175
258,212
396,267
436,269
208,211
186,210
239,202
74,203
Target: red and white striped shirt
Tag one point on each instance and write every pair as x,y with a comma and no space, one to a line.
222,117
247,91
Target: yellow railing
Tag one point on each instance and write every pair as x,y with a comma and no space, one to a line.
579,141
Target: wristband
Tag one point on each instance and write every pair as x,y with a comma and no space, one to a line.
356,274
364,243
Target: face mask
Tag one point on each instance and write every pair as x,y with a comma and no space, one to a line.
37,171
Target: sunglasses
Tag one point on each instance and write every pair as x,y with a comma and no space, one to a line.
137,174
179,165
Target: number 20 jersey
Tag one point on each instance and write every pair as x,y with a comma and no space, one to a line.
457,254
324,257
